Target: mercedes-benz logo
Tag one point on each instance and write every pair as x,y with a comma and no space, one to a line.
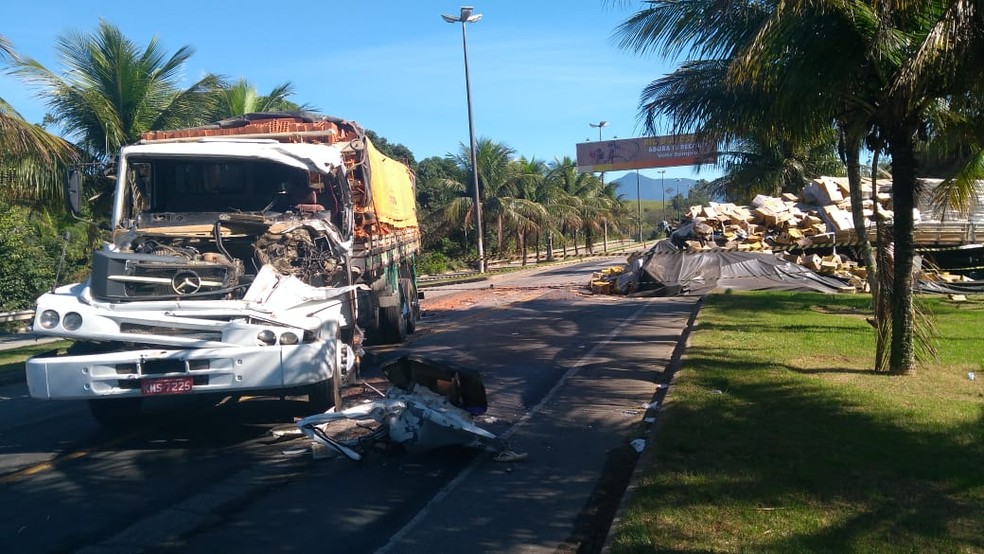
186,282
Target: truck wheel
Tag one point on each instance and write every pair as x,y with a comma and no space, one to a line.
412,304
320,397
116,413
392,324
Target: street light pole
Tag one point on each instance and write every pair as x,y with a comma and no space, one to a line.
467,17
662,173
680,215
600,125
639,205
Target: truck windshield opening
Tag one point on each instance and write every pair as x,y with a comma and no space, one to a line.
220,185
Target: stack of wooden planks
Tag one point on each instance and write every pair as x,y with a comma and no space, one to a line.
819,215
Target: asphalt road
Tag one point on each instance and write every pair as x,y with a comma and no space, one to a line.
567,373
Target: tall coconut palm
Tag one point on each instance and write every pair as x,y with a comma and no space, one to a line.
241,98
531,193
110,90
495,178
930,54
582,208
833,61
30,157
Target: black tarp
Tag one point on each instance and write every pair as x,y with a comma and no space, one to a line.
939,287
667,271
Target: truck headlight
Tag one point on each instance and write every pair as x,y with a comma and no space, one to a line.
72,321
267,337
288,339
49,319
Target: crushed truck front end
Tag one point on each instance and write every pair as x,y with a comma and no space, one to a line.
281,335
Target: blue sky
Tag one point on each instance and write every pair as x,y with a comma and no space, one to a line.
540,71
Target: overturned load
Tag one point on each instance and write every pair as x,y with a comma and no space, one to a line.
698,273
666,271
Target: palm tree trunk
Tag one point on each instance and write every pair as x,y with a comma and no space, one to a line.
499,238
521,246
904,187
549,245
883,283
853,155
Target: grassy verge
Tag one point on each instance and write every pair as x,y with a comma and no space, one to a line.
778,438
12,361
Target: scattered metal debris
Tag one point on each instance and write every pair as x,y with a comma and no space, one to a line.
429,405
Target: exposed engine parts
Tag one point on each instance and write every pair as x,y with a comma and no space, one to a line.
166,261
304,250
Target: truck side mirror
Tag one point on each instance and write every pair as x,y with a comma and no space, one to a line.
73,190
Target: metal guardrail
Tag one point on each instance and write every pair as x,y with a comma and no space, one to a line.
24,315
502,265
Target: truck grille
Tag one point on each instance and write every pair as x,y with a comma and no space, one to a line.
120,276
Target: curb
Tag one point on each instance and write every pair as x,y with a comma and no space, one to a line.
676,362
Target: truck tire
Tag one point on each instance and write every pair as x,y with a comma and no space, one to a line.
412,303
320,397
116,413
392,323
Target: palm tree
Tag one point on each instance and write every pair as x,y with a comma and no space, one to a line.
581,206
111,91
616,210
531,194
770,166
241,98
930,54
832,62
495,178
30,157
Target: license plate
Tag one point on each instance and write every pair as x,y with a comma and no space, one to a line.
166,385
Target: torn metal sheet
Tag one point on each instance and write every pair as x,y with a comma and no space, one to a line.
429,405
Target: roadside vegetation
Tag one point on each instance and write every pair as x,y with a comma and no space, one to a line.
778,436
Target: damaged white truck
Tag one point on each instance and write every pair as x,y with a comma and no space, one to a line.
247,257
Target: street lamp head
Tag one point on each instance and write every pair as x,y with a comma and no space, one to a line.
466,16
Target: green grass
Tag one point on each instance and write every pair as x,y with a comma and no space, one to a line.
777,436
12,361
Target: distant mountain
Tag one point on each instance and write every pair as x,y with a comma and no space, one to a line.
649,187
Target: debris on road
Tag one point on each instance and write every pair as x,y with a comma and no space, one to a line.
428,405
